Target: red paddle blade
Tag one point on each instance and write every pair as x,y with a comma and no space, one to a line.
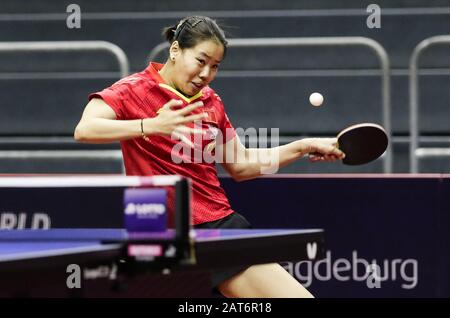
362,143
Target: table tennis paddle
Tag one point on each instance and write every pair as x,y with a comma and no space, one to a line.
362,143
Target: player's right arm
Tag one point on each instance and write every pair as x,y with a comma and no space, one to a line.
98,123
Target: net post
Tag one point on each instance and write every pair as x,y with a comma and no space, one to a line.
182,210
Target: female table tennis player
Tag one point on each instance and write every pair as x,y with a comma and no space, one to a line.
152,112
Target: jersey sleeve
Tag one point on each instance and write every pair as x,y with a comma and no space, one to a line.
228,130
116,97
226,127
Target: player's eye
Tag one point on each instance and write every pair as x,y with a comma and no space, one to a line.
202,62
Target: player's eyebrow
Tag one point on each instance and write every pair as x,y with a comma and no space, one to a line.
209,57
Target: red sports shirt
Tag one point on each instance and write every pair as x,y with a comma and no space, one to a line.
141,95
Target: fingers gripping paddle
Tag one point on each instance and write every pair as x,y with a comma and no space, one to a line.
362,143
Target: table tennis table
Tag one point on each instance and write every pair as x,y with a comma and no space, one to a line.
34,263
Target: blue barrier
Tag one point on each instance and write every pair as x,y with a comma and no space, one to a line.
399,223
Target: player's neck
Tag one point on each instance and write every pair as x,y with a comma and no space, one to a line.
164,73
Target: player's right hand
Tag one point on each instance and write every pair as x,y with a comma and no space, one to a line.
322,149
172,122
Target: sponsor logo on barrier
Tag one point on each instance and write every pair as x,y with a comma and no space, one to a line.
311,250
149,209
372,273
22,220
145,209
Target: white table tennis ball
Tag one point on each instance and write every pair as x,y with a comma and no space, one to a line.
316,99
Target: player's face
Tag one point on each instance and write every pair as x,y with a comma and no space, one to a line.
196,67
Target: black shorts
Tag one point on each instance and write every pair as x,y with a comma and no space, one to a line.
232,221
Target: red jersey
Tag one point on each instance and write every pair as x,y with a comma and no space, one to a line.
141,95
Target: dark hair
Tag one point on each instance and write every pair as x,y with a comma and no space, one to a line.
192,30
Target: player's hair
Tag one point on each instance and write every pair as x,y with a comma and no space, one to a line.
192,30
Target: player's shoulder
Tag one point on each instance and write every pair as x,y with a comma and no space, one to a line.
135,81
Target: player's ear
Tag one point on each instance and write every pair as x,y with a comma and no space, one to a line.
174,50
